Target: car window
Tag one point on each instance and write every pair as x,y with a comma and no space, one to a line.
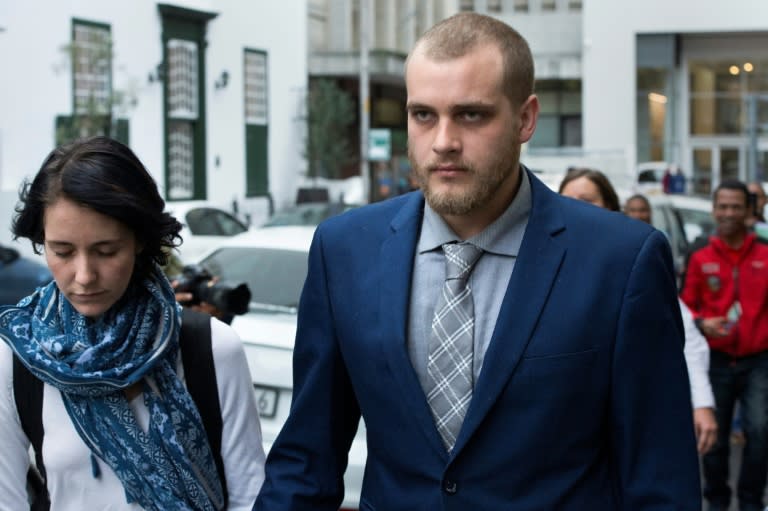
647,176
660,219
306,214
665,220
213,222
274,276
299,215
696,223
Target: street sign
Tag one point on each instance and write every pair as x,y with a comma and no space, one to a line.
379,144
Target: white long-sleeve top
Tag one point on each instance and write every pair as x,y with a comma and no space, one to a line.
697,360
67,459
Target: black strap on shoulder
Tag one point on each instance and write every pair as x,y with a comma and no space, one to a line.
200,375
28,394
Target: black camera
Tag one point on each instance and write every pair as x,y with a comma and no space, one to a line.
228,298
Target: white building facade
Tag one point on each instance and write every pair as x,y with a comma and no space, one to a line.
684,82
624,82
209,94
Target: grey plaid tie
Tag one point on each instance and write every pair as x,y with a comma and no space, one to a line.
449,363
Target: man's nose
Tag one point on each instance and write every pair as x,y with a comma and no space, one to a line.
446,138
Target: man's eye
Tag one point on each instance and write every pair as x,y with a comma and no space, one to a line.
421,115
62,254
472,116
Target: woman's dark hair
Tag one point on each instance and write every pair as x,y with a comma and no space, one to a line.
610,198
105,176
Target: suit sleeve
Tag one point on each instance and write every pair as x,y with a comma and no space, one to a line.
306,464
653,439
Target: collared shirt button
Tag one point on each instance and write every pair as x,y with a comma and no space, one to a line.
450,487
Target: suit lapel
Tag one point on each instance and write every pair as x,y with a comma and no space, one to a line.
536,268
397,256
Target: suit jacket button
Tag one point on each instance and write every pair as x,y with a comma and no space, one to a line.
450,487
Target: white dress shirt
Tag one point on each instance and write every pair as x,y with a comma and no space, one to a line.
697,359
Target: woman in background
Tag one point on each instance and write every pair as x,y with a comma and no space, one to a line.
590,186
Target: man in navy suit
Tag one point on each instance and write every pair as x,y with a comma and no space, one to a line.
578,394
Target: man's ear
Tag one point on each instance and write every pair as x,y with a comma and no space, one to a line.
529,114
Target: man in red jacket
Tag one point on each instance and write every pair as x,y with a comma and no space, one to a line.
726,288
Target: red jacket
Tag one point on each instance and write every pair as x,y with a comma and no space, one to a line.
713,283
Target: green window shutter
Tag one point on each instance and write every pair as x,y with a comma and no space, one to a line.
184,109
257,172
122,131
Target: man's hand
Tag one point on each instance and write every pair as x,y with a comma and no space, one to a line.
714,327
705,426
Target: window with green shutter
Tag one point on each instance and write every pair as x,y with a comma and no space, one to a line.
256,123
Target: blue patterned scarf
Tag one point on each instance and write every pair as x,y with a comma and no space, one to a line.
168,467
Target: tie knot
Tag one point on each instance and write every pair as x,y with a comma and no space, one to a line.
460,258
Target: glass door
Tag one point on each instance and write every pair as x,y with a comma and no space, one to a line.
731,163
702,171
713,163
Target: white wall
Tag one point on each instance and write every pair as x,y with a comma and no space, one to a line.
608,61
36,85
555,41
281,31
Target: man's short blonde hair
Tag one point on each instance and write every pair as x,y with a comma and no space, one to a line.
459,34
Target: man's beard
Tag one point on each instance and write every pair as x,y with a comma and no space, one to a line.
477,192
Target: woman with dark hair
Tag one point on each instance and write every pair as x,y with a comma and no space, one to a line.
590,186
122,431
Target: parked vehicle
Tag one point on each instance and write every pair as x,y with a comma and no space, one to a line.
650,175
20,275
307,213
683,219
273,262
203,226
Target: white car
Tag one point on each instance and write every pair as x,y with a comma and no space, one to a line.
203,226
273,262
684,219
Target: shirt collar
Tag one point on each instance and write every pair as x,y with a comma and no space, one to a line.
504,236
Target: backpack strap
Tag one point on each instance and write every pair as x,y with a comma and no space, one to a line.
28,394
200,375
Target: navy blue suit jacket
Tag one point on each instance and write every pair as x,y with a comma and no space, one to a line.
582,403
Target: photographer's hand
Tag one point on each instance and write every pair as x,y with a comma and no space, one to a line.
185,297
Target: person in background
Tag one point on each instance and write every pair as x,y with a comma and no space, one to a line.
696,351
121,430
756,219
591,186
639,208
677,181
725,287
507,348
666,181
757,191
